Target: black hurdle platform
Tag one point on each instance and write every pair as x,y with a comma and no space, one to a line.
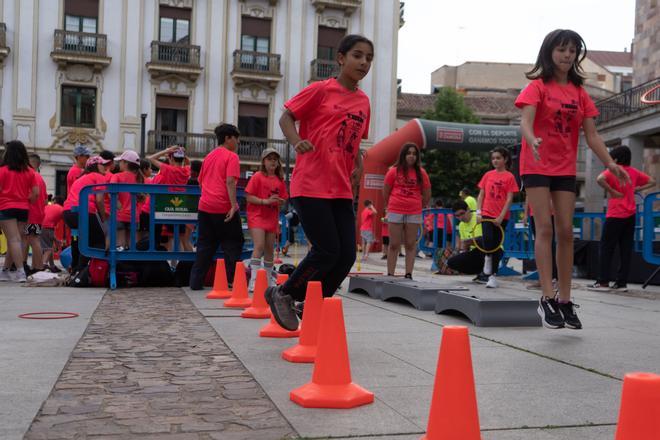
491,308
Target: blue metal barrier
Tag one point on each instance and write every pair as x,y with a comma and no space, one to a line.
132,254
437,242
299,233
518,241
651,225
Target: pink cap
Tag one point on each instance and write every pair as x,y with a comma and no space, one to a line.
130,156
96,160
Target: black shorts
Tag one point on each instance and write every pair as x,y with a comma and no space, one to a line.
21,215
554,183
32,229
386,240
144,222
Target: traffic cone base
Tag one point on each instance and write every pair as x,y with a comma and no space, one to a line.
259,308
305,350
220,288
273,330
300,354
640,406
344,396
239,295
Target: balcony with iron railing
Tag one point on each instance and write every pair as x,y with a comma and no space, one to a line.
249,149
626,103
4,50
196,144
174,58
323,69
80,48
260,67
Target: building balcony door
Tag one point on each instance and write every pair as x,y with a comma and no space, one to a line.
171,121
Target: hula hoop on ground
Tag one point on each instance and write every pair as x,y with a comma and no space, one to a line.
645,99
54,315
474,239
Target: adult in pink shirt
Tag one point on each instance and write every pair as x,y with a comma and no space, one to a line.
619,227
265,194
367,228
80,156
496,190
406,191
18,189
94,174
219,222
129,172
333,117
555,107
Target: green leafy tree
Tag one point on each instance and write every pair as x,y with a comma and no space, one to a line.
450,171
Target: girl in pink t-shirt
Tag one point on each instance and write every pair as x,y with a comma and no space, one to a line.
407,190
129,172
265,194
333,116
496,189
554,108
18,189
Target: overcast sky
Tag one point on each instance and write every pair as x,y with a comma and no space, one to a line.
450,32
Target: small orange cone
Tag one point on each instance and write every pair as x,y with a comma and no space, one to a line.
305,350
331,385
639,416
454,412
273,329
259,309
220,287
239,295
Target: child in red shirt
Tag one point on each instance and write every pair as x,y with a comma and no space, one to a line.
496,190
333,117
32,230
266,192
129,172
80,156
619,227
367,228
407,190
18,189
219,223
52,216
554,108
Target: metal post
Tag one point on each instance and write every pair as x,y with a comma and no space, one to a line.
143,126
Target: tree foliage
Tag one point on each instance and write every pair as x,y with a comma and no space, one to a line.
450,171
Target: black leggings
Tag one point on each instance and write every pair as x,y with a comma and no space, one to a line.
492,239
329,225
621,232
96,238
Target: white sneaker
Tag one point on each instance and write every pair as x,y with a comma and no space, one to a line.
4,275
18,276
492,282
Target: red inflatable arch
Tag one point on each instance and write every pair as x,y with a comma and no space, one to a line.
427,135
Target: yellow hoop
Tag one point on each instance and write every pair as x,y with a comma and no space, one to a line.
474,239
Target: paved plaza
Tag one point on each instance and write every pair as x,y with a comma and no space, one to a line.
167,363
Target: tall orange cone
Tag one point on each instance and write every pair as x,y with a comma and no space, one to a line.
259,309
454,413
331,385
220,287
639,416
239,295
305,349
273,329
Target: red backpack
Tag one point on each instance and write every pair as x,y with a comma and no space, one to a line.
98,272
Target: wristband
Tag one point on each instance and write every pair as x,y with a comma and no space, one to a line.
478,212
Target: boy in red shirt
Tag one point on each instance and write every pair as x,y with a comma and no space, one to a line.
219,222
80,155
367,228
619,228
52,216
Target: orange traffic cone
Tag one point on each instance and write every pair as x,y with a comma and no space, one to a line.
331,385
239,295
305,350
220,287
259,309
454,412
273,329
639,416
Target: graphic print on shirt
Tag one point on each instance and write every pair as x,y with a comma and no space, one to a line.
497,191
407,185
563,117
349,131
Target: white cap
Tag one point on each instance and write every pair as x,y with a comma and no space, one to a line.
130,156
